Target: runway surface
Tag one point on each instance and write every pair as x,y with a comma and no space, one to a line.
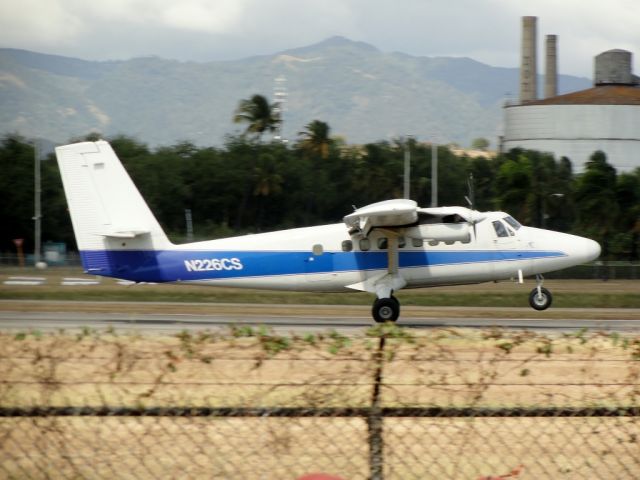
160,317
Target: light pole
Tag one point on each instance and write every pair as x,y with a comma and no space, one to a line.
407,166
189,223
37,213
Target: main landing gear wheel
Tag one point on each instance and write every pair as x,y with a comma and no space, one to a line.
386,310
542,300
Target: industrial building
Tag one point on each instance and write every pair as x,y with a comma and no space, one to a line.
605,117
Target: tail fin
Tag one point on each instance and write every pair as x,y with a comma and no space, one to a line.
108,214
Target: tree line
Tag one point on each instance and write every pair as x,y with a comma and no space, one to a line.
253,185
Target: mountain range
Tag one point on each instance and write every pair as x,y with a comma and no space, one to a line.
364,94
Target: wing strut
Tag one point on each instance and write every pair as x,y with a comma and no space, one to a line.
385,284
392,281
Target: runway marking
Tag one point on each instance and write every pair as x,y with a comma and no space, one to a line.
25,281
79,281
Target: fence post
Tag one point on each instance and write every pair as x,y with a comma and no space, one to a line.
375,419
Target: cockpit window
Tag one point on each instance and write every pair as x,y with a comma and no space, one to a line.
513,222
500,229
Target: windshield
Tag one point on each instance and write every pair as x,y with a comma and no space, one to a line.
512,221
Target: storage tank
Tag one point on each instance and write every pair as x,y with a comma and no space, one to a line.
613,67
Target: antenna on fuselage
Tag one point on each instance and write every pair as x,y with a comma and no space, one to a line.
470,188
471,201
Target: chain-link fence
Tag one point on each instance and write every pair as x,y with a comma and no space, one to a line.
250,404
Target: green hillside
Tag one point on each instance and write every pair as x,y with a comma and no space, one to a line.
363,93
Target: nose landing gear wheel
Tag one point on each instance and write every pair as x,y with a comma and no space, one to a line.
386,310
540,301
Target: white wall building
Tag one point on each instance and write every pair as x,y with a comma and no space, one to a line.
577,124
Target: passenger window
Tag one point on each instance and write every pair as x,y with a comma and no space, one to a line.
347,245
382,243
365,244
433,243
500,229
402,242
417,242
317,250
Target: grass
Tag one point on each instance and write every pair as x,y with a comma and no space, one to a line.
255,367
567,293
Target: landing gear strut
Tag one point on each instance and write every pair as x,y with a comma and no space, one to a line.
540,298
386,309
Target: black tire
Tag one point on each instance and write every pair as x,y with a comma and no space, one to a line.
396,300
386,310
541,302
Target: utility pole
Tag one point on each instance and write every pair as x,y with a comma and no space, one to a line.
189,222
37,215
434,174
407,167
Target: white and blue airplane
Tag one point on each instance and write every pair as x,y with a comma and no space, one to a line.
380,248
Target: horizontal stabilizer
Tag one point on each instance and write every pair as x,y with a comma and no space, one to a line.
124,233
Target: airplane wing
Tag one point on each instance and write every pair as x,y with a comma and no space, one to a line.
390,213
449,214
403,213
403,217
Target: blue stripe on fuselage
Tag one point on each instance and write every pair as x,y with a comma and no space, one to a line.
174,265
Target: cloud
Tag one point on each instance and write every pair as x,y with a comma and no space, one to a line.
37,22
202,15
486,30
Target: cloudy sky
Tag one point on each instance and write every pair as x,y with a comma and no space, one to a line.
203,30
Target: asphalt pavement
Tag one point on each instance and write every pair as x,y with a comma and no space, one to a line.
161,317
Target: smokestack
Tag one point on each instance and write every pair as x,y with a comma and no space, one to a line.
551,67
528,71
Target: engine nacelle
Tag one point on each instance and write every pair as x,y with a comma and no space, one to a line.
441,232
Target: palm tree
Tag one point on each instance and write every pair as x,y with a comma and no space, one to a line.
267,182
316,139
266,177
260,115
595,195
314,145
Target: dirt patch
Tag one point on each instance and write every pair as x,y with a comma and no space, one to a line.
441,367
253,368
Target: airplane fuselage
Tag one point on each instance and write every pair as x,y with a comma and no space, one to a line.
327,258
